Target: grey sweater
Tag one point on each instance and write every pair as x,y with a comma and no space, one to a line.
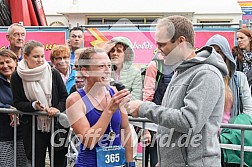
238,82
191,112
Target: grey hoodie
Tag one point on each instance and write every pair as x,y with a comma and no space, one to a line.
191,113
224,46
242,101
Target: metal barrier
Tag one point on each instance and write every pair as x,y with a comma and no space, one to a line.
236,147
241,147
33,114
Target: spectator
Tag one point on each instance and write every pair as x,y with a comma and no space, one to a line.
123,70
237,93
77,55
122,58
79,78
96,116
75,41
16,36
35,86
60,58
243,52
8,63
79,82
193,103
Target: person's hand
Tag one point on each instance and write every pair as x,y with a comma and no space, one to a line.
12,120
157,165
51,111
123,103
108,46
68,43
146,138
132,107
119,98
39,106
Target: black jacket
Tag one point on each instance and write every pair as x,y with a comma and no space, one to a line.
6,131
59,95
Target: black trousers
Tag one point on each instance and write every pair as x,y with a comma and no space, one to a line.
42,143
151,151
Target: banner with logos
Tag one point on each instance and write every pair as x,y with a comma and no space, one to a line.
143,41
48,38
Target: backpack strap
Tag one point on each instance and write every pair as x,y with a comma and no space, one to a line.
239,94
159,70
159,66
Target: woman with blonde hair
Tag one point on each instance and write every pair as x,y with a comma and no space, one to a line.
237,97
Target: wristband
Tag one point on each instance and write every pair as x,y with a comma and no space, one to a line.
130,164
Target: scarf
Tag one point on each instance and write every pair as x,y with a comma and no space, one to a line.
37,83
246,61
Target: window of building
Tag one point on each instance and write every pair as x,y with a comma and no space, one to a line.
94,21
124,21
121,20
212,23
151,20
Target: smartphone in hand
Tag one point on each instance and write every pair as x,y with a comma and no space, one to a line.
119,85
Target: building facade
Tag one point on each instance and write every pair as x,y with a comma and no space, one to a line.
77,12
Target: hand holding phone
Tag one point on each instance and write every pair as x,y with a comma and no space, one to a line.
119,85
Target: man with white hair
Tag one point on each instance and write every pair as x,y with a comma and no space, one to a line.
16,36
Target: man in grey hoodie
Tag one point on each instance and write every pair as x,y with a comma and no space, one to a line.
191,111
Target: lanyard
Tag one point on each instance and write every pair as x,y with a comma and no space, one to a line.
112,134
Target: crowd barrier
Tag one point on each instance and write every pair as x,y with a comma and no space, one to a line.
143,121
241,147
33,114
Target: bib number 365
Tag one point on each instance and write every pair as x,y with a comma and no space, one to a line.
110,156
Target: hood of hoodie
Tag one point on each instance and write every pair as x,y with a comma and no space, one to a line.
224,46
129,53
206,55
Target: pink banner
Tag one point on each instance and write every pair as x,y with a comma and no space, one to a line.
202,37
144,42
49,39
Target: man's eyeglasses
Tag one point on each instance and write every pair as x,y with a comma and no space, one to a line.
61,58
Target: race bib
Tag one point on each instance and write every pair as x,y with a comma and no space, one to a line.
110,156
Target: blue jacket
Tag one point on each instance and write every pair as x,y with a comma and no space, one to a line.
72,58
71,80
5,92
6,131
